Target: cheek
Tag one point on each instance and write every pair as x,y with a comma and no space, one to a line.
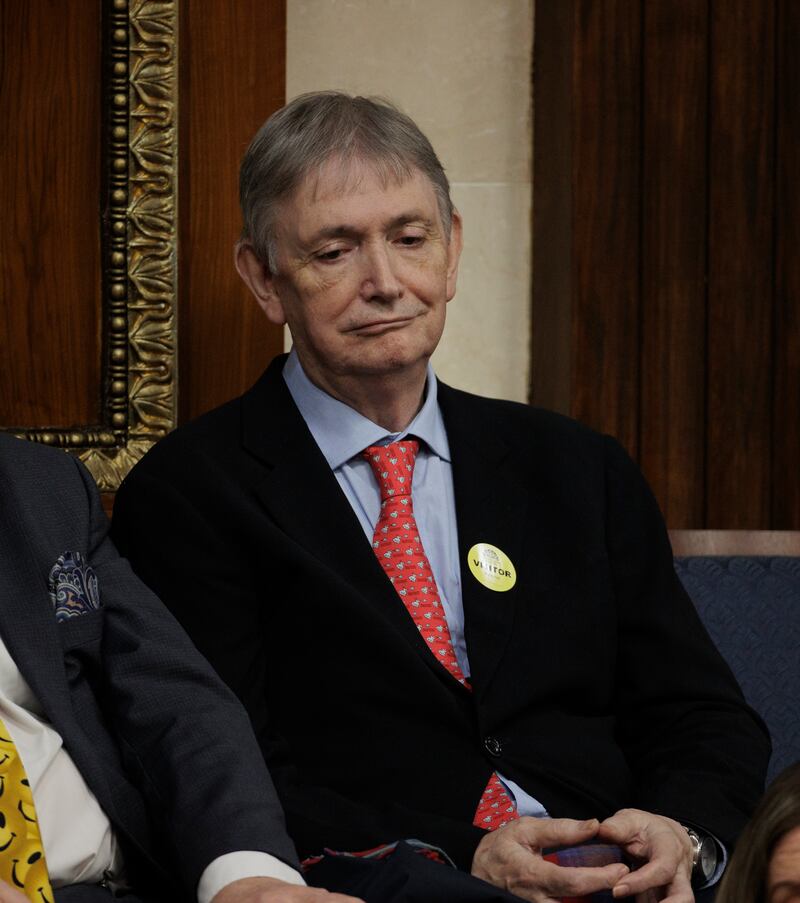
322,281
315,306
429,280
330,295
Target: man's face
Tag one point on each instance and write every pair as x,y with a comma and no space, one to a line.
364,271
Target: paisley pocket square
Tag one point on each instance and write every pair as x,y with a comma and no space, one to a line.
73,586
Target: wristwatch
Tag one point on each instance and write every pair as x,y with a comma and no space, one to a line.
704,857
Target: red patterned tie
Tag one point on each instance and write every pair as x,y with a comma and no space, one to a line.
398,547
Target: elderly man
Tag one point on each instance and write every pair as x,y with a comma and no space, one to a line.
450,618
125,765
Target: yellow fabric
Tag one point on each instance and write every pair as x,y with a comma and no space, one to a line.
22,862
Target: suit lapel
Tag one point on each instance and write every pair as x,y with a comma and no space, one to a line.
29,626
492,500
303,497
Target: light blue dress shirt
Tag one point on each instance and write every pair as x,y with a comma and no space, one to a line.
342,434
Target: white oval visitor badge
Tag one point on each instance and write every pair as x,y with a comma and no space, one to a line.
491,567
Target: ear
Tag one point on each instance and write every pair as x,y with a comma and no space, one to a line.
454,253
258,277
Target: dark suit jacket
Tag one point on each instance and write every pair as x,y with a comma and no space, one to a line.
162,744
593,674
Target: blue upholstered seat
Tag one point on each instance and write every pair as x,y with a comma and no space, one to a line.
751,608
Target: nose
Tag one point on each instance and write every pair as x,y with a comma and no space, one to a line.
379,279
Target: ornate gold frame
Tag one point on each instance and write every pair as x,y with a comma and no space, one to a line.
139,300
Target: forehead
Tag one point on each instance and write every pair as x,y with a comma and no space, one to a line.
784,866
362,189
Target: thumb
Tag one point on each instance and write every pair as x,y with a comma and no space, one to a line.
619,828
556,832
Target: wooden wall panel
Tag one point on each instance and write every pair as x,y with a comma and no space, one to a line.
786,408
674,247
88,117
551,340
233,62
740,294
50,195
607,237
678,270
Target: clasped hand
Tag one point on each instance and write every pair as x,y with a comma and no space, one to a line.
511,858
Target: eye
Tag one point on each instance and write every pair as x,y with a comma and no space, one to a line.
333,254
410,240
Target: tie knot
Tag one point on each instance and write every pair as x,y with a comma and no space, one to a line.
393,466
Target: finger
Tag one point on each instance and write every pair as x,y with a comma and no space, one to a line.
578,881
642,880
662,870
684,896
9,894
680,890
553,832
620,827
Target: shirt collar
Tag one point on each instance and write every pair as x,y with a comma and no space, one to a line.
342,433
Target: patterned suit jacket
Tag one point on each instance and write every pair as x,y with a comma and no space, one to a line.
162,744
595,686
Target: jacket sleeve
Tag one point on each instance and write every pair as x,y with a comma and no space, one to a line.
184,738
697,751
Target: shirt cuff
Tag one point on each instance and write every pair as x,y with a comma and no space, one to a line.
722,861
243,864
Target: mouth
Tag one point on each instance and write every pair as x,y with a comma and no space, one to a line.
377,327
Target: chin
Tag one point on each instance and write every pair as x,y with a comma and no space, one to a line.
387,366
395,359
401,350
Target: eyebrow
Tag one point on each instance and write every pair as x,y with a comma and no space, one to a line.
792,885
345,230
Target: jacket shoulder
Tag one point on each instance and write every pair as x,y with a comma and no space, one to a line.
219,432
23,451
211,448
33,469
518,422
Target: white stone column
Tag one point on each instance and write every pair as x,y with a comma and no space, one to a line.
462,70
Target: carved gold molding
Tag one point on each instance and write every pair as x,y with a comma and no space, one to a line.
139,243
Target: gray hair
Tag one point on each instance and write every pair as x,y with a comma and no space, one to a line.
320,126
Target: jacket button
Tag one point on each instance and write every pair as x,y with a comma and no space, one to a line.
493,746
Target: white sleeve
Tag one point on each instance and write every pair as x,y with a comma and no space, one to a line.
243,864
